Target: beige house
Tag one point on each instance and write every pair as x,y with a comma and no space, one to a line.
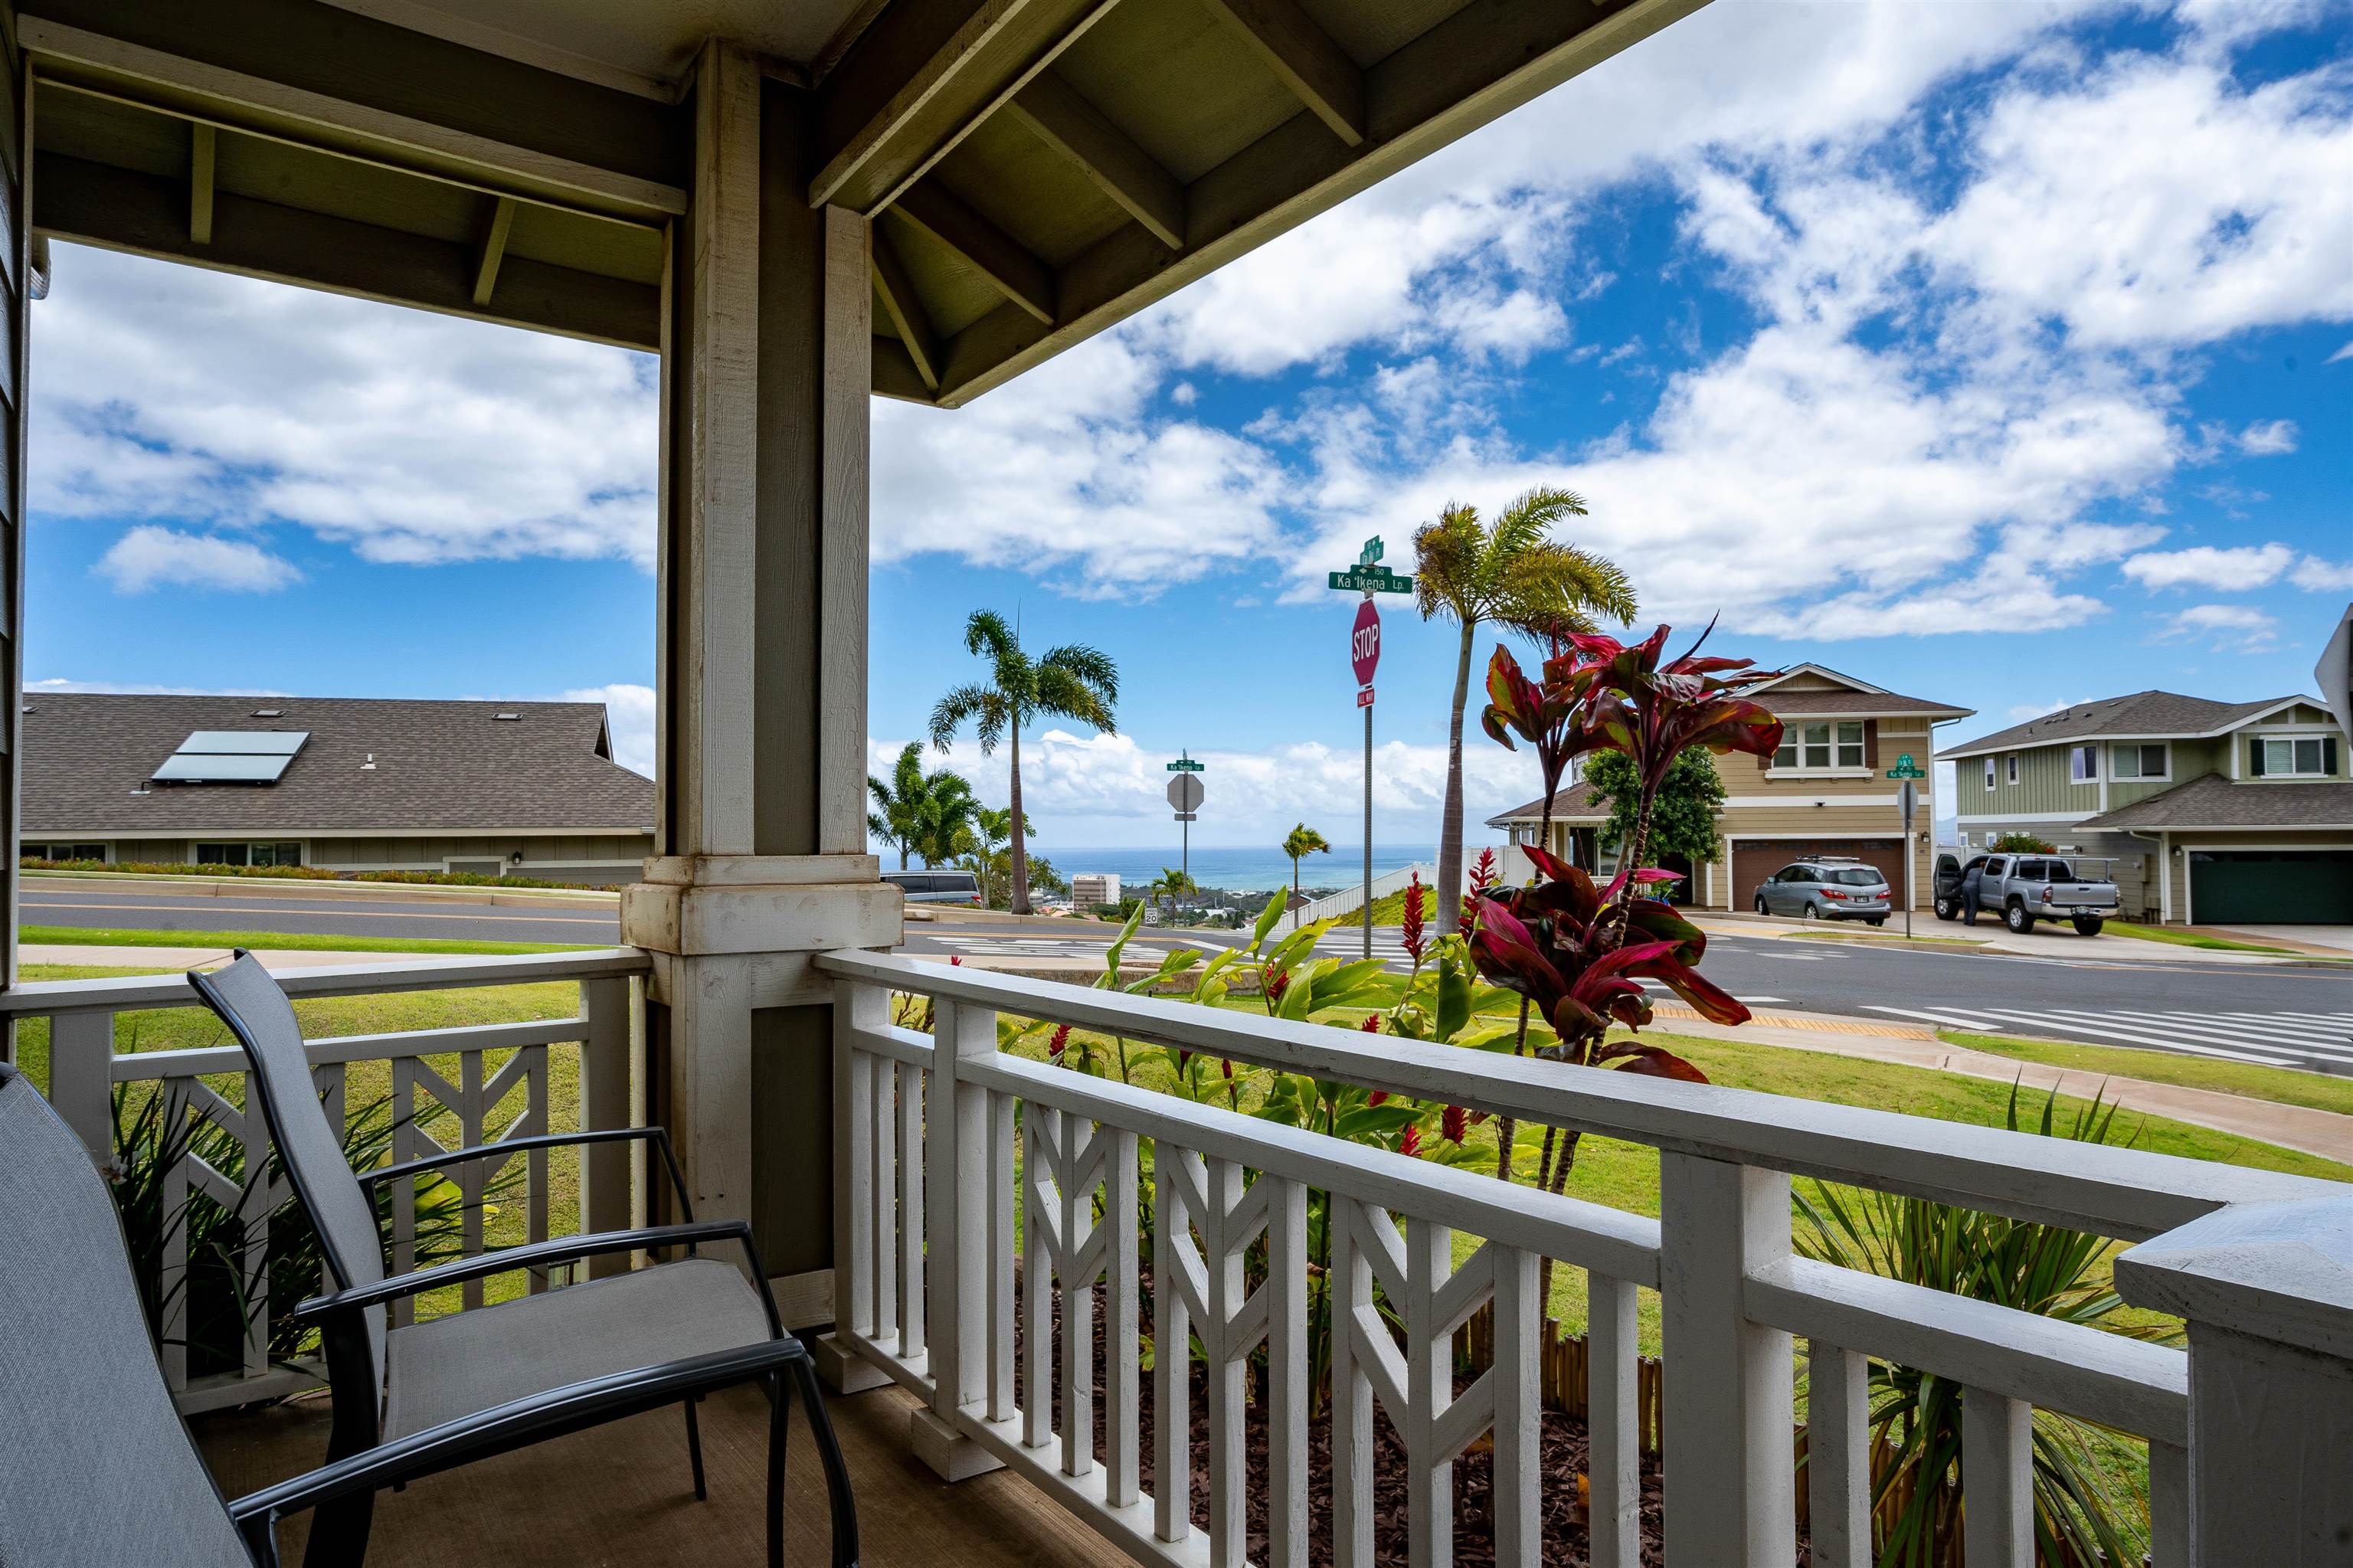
1825,791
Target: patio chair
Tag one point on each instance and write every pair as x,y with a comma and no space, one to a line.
393,1384
97,1468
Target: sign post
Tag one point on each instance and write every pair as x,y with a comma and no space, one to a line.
1908,797
1185,794
1364,658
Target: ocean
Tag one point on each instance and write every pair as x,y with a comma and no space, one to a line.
1243,868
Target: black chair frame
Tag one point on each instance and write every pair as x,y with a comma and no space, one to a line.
360,1463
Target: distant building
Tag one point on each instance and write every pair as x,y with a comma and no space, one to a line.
349,784
1091,888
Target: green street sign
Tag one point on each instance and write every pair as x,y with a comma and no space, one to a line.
1187,766
1370,579
1371,552
1905,769
1904,760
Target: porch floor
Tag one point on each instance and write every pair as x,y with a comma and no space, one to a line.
621,1494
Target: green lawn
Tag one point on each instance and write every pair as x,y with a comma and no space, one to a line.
2180,938
281,941
2257,1082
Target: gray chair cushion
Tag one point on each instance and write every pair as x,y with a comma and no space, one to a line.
96,1468
452,1366
308,1141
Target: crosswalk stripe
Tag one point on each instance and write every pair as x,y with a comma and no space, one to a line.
2101,1024
2256,1026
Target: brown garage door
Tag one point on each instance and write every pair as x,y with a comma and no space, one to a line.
1753,860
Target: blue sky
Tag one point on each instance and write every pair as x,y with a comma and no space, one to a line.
1997,353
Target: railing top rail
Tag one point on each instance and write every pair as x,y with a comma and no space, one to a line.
35,999
2122,1193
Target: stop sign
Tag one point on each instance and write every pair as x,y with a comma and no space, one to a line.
1365,643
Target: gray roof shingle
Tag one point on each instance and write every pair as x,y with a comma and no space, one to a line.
1877,704
2142,714
2211,800
438,766
1574,804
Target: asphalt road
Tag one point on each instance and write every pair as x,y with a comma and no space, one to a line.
2291,1015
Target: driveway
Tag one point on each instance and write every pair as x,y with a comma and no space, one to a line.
2336,937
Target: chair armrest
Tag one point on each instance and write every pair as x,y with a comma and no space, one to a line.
658,1137
511,1426
559,1250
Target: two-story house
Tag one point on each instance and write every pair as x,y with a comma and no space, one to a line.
1825,793
2214,812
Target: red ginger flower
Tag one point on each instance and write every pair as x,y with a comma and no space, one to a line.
1379,1096
1062,1038
1409,1143
1372,1024
1277,985
1456,1124
1414,940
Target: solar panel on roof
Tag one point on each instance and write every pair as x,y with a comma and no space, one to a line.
232,757
246,742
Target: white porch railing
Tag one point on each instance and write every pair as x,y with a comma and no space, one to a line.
1348,900
85,1068
927,1295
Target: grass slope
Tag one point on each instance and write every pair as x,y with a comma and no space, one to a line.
278,941
2281,1085
2180,938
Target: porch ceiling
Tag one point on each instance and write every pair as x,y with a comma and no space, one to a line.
1047,167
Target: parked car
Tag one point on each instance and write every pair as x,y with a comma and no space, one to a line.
2025,888
937,886
1827,887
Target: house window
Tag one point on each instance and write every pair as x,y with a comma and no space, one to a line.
2295,755
2012,761
61,851
2083,764
249,855
2148,761
1988,772
1849,743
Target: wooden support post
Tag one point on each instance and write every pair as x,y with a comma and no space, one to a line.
202,139
493,250
1613,1422
1730,1481
1838,1455
956,1153
81,1078
608,1060
1998,1477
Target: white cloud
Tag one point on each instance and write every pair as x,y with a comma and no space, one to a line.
2234,569
172,392
145,689
629,716
2317,576
2345,353
2239,627
150,557
2021,712
2268,438
1105,781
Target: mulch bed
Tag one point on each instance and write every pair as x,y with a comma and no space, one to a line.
1561,1510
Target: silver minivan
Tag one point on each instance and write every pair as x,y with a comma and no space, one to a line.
1826,888
937,886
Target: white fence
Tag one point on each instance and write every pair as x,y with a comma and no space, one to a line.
493,1059
928,1296
1348,900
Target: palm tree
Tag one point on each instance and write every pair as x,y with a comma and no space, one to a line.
919,812
1172,884
981,844
1298,843
1517,575
1074,681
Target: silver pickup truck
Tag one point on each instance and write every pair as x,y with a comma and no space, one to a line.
2024,888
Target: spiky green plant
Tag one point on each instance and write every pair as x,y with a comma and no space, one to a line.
149,1143
2085,1510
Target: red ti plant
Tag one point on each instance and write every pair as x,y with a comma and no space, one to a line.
1574,952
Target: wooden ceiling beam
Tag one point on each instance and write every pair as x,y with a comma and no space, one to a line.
1483,61
920,79
905,310
201,149
988,249
1317,71
1130,177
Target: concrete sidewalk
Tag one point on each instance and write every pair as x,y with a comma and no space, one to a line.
171,960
